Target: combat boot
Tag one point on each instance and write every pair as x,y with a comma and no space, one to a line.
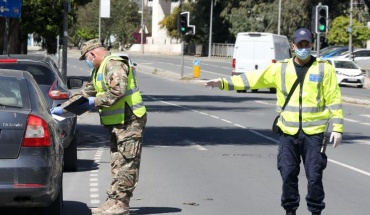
109,203
120,208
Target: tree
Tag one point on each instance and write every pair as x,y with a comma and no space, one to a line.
41,17
123,22
338,34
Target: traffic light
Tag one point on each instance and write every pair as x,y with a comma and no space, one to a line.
322,13
183,26
183,22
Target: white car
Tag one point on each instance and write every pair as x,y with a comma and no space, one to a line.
348,72
125,56
360,56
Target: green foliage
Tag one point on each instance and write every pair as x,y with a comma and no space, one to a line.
123,22
338,34
45,19
234,16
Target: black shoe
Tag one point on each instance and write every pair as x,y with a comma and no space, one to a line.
316,213
290,212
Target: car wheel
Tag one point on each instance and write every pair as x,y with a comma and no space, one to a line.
254,91
241,91
360,86
272,90
56,207
70,156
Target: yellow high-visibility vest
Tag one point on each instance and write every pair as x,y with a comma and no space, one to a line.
115,114
321,96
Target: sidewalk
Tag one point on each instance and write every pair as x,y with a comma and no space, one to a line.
74,52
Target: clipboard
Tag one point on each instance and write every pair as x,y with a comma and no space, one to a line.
74,107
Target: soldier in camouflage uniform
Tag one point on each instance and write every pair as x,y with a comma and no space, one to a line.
116,94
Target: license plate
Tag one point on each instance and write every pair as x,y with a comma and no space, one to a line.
352,79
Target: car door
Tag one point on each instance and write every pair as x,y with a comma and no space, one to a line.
362,58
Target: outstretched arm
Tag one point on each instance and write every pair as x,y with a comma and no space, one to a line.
213,83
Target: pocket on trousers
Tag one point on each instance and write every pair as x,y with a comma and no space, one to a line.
131,148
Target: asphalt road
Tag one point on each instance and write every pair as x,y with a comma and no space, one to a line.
212,152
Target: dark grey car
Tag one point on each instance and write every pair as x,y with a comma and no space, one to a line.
55,91
31,151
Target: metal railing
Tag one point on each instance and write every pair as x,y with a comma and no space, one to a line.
218,49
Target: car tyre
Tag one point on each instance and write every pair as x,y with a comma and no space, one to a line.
57,206
70,156
360,86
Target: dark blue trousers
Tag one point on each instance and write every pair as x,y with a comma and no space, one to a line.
293,148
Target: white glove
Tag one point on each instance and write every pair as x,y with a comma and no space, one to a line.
337,137
213,83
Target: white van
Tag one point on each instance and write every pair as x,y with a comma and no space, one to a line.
257,50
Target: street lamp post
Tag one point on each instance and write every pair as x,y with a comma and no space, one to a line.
142,26
350,28
279,17
210,31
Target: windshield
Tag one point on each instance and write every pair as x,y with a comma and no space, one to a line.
345,65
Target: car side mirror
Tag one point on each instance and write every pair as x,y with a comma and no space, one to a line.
74,83
134,64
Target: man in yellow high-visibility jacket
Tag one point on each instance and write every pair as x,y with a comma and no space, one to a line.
303,121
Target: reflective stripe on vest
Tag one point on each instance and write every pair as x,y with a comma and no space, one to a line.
115,114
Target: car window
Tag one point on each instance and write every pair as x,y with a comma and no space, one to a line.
42,74
12,92
345,65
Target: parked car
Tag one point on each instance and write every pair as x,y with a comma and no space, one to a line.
332,52
326,50
31,151
360,56
348,72
125,56
55,91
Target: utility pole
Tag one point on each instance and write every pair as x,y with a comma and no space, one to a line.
142,26
279,17
182,41
210,32
65,39
350,28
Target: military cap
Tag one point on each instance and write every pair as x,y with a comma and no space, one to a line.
88,46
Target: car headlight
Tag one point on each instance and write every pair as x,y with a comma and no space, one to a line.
339,73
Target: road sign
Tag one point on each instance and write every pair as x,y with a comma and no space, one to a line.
10,8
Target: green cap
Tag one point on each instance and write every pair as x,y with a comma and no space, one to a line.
88,46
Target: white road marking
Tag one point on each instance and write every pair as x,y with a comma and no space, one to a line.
262,102
350,120
350,167
275,141
94,185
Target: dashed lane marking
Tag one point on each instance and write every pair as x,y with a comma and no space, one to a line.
262,135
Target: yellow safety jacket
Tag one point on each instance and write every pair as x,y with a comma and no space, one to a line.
312,104
115,114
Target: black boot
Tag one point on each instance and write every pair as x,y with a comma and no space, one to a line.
290,212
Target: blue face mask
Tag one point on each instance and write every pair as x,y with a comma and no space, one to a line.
89,64
303,53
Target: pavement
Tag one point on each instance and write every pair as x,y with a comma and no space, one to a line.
74,52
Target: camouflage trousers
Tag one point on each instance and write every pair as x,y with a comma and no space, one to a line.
126,143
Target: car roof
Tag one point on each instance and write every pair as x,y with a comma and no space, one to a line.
339,59
14,73
120,54
27,57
